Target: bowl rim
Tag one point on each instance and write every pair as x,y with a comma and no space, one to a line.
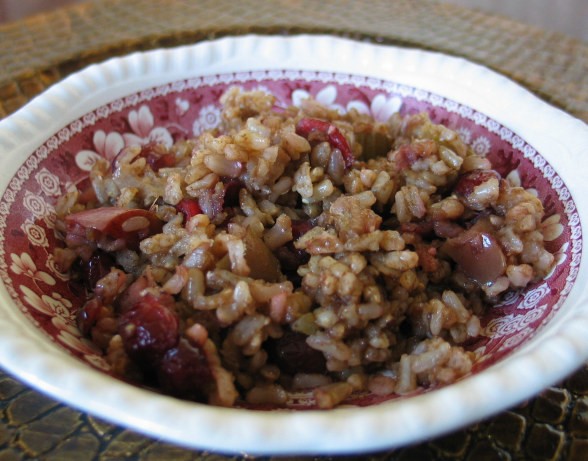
551,355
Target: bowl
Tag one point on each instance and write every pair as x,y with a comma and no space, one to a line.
530,340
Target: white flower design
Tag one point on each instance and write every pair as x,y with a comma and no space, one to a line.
514,178
539,162
381,107
182,106
481,146
501,326
552,228
106,146
532,297
35,204
53,306
109,145
48,181
9,196
55,269
263,89
86,159
70,335
62,318
516,339
35,233
144,132
62,308
327,97
24,265
50,218
511,324
208,118
560,257
532,316
32,162
75,342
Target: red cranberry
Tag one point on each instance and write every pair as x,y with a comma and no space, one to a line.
184,371
188,207
95,268
148,331
291,258
157,156
232,188
300,227
317,131
293,355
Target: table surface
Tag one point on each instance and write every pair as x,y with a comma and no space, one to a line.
40,50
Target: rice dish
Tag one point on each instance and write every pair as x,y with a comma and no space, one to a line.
294,249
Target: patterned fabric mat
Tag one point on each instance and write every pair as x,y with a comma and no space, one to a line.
43,49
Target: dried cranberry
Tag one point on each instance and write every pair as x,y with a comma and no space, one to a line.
164,161
232,188
300,227
157,156
184,372
95,268
148,331
188,207
293,355
291,259
317,131
313,129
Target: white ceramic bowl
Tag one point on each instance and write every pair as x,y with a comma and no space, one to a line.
531,340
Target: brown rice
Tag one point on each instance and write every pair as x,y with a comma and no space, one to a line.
280,252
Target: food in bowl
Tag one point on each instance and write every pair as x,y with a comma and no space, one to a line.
296,248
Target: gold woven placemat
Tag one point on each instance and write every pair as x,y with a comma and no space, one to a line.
39,51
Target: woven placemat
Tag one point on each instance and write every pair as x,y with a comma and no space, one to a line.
41,50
